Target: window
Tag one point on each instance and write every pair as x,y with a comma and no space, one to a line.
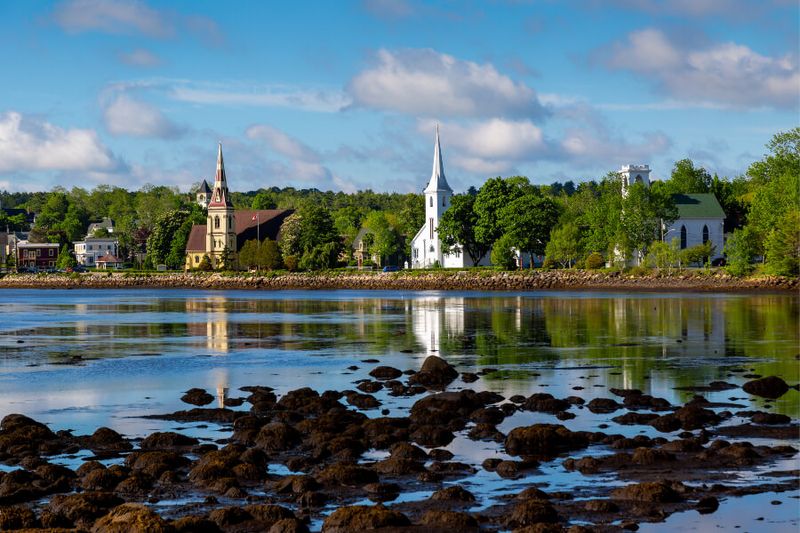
50,252
89,247
705,234
683,237
638,178
197,259
430,227
431,200
444,201
216,222
230,222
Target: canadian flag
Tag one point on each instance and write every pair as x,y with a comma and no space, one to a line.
255,217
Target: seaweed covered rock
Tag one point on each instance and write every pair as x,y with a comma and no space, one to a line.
544,440
78,510
436,373
769,387
131,518
648,491
363,518
197,397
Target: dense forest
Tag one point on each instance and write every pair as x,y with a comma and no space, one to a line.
573,224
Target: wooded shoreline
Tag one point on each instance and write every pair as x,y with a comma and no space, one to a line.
481,280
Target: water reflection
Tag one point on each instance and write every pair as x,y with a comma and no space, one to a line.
653,342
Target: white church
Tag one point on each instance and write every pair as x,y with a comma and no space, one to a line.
426,248
700,217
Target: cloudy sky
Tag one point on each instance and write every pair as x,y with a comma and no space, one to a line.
345,95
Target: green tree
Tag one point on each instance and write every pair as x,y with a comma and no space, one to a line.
269,255
386,240
492,197
248,255
739,251
320,257
290,236
688,179
782,247
503,255
205,264
160,241
783,157
65,258
227,259
644,213
264,200
698,254
663,255
564,245
457,227
528,220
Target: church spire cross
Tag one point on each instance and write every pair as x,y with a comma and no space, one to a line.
438,181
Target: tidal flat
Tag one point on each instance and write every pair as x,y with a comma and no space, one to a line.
346,410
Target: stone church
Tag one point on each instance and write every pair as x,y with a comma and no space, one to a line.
226,229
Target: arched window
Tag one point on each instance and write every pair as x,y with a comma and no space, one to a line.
444,201
683,237
216,221
638,178
705,234
230,222
431,199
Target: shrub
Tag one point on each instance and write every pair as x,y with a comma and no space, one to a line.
782,246
205,264
595,261
503,256
548,264
290,262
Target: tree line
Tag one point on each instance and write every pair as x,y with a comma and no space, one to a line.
581,225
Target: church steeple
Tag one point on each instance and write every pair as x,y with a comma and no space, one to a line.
438,181
220,196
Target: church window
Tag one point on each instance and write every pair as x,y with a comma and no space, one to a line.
431,199
430,227
230,221
216,199
197,259
638,178
444,201
683,237
705,234
216,222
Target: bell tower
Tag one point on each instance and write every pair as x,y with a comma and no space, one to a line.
437,200
220,226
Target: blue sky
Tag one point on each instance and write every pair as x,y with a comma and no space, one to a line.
345,95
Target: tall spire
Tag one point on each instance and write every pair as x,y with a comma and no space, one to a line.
438,181
220,196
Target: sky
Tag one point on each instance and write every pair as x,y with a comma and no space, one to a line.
346,95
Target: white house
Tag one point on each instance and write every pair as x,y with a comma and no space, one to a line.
426,248
89,250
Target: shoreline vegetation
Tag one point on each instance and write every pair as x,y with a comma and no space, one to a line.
482,280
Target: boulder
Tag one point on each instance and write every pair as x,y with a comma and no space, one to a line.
17,517
385,372
449,521
648,491
530,512
436,373
197,397
131,518
769,387
167,440
453,493
363,518
544,439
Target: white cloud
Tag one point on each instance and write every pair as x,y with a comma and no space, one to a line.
320,100
31,144
726,73
282,143
125,115
111,16
140,58
427,83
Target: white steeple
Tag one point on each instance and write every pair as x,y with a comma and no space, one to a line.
438,181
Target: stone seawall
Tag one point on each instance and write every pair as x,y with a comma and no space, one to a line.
433,280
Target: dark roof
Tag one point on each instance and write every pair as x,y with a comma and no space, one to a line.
698,205
197,239
269,220
204,188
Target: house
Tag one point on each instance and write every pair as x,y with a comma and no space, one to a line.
226,230
700,220
203,195
108,261
89,250
105,224
36,255
426,247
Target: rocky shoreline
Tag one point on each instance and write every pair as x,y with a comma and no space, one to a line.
309,461
482,280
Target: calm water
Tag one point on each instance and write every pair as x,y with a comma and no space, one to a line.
81,359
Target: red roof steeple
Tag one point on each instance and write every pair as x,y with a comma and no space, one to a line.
220,196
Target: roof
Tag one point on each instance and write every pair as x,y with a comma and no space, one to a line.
261,223
220,196
438,181
204,188
106,223
108,258
197,239
699,205
38,245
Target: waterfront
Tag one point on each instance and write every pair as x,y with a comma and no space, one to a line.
80,360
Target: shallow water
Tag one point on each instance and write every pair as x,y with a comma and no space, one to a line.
82,359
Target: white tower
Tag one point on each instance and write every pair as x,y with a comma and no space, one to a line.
634,174
437,200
